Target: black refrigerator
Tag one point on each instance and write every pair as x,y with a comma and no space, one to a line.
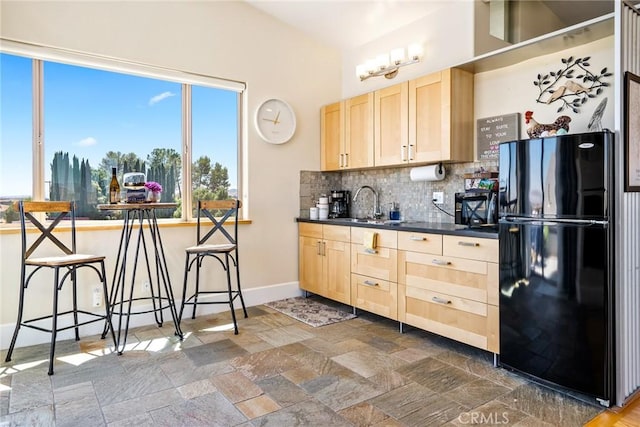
556,256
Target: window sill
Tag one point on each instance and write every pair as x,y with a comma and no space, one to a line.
116,224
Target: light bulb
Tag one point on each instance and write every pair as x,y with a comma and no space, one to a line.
397,55
382,61
361,70
415,51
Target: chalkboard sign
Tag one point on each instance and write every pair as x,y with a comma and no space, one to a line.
492,131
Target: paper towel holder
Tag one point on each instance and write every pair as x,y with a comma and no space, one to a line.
440,168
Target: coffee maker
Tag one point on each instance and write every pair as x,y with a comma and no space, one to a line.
339,204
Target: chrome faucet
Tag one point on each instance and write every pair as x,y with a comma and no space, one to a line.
376,208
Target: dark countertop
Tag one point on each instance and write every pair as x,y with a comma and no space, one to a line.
489,232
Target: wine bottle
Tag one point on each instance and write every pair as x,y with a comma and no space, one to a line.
114,188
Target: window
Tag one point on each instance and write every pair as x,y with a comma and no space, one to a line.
98,117
214,169
15,133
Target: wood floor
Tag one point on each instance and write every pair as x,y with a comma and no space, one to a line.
629,416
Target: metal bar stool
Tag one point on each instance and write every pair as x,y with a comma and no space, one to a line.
64,266
217,212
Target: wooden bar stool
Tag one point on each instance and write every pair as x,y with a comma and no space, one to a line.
63,265
217,212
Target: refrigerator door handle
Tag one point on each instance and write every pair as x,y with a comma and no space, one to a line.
546,221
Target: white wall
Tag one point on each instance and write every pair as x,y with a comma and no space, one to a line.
446,36
511,90
223,39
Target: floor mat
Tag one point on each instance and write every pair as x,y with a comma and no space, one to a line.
310,311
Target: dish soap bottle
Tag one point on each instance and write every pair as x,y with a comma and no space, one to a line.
114,188
394,212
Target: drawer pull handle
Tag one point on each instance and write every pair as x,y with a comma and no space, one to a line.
418,238
370,283
441,262
440,300
473,244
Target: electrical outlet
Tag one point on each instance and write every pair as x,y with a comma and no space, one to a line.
438,197
97,296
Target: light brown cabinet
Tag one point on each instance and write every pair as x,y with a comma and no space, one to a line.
445,284
374,274
332,136
449,285
359,131
426,120
391,120
441,117
324,260
346,137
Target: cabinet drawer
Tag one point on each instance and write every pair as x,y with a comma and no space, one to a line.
336,232
460,319
455,276
420,242
375,295
383,264
386,238
470,248
310,230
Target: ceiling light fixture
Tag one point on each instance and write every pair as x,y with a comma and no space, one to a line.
388,64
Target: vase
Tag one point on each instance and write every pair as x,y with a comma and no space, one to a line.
153,196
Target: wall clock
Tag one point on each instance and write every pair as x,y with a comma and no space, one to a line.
275,121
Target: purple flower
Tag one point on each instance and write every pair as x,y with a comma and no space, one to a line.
153,186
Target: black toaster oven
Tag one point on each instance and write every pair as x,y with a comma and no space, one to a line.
475,209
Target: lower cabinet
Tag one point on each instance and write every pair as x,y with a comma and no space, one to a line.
444,284
324,260
452,289
374,273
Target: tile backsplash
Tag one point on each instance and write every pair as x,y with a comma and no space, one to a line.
392,185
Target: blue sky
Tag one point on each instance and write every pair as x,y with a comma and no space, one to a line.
89,112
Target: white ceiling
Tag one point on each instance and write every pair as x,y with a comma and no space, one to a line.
348,24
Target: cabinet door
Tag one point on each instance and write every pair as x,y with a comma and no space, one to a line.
375,295
391,114
383,264
427,111
359,131
471,248
310,264
332,136
337,265
463,320
441,118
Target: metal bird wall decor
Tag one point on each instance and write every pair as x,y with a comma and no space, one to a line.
572,85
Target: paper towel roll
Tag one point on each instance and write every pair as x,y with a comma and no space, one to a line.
427,173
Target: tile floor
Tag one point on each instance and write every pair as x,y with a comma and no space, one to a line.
276,372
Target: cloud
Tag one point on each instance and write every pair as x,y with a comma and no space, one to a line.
87,142
154,100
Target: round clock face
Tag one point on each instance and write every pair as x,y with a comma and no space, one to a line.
275,121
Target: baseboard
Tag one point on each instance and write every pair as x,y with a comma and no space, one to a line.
252,297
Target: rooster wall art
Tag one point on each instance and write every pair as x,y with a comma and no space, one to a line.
572,85
537,130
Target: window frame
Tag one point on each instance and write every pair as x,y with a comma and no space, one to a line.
39,54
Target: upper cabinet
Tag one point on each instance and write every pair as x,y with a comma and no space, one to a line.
426,120
332,136
347,134
359,131
441,117
391,114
